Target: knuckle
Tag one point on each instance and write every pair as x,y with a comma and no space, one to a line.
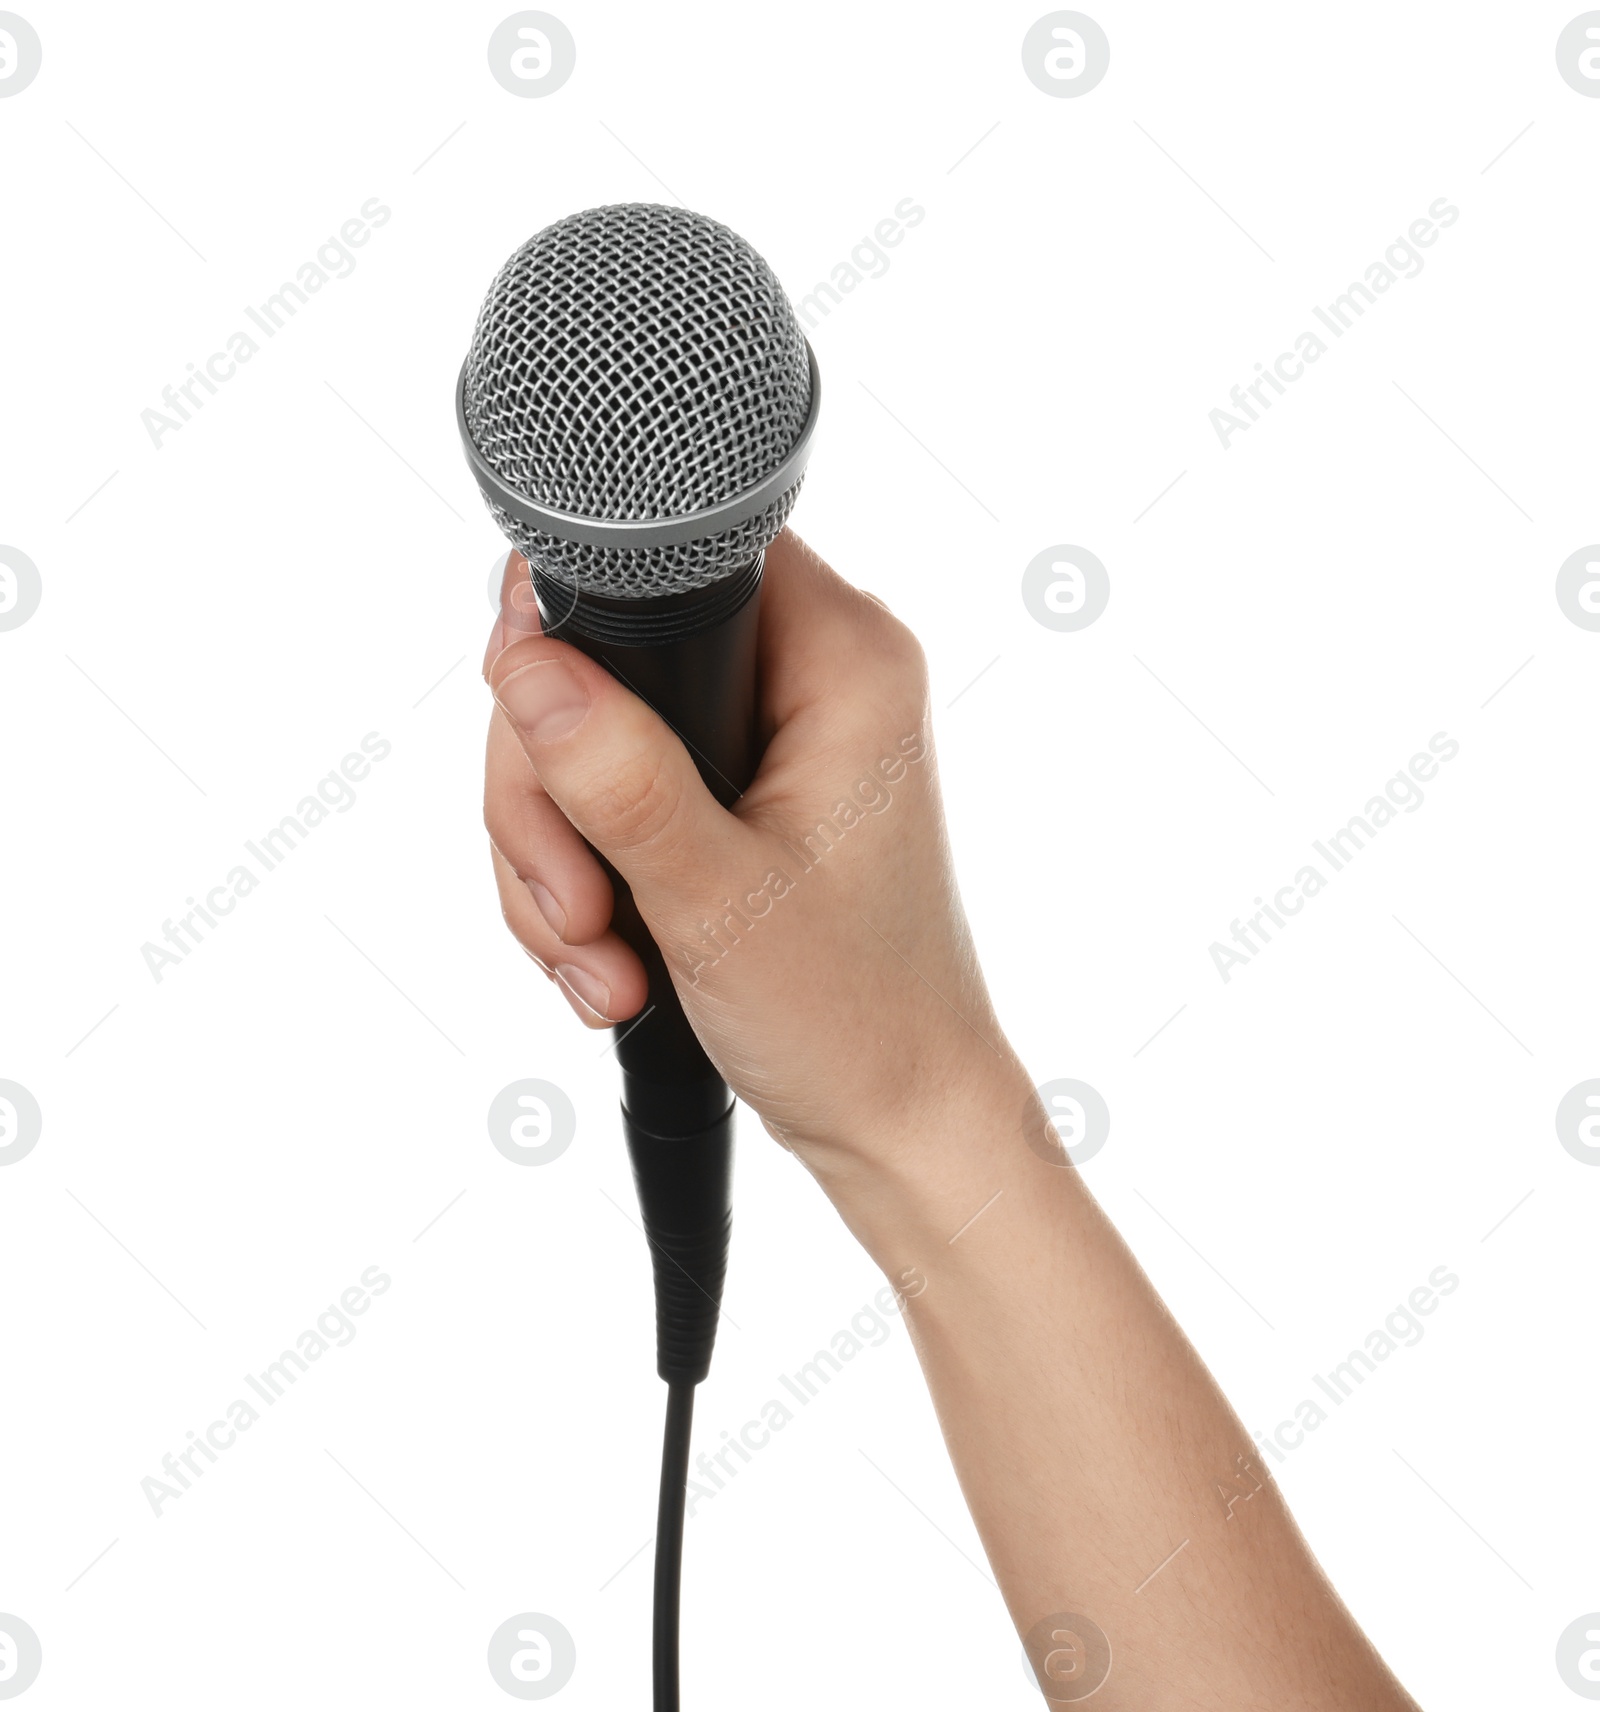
893,643
508,840
496,823
636,804
910,657
904,673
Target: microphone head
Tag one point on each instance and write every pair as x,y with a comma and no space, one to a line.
638,402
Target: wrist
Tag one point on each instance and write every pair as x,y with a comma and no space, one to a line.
911,1183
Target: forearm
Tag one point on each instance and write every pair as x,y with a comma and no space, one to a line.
1089,1438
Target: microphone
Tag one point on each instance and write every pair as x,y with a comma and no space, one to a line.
637,407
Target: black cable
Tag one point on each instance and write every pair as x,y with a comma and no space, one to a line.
680,1143
669,1542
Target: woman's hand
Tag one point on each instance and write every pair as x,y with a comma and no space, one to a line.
814,934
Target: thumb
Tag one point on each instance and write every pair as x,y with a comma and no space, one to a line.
615,769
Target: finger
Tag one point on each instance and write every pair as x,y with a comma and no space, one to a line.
843,683
603,981
519,611
617,772
568,886
819,633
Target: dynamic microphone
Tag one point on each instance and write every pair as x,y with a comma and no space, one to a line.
637,406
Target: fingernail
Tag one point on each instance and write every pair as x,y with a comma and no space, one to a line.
587,989
521,610
549,909
545,699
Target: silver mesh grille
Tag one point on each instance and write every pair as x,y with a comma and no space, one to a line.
637,362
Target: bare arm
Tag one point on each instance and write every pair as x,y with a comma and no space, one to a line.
1091,1442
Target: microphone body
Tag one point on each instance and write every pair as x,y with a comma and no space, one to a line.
691,657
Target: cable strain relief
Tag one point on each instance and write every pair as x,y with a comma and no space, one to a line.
685,1186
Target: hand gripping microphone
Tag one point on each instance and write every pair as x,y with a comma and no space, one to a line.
637,407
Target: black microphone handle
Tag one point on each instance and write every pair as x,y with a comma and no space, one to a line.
692,657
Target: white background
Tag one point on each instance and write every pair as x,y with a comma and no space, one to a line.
306,562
